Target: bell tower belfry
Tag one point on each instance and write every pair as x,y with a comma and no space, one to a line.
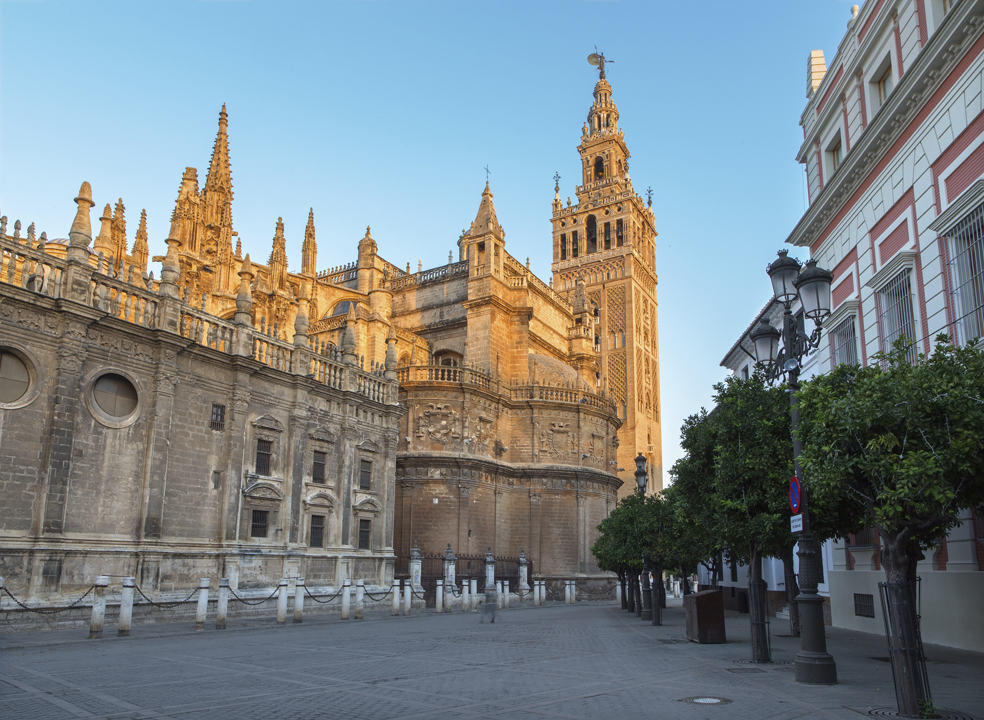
607,240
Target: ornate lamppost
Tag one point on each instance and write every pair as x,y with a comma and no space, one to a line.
812,286
645,599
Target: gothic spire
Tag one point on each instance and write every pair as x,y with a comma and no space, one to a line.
278,257
309,250
485,218
140,250
219,174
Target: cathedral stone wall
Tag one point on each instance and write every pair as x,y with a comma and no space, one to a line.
135,450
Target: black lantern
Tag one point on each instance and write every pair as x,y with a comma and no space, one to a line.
640,473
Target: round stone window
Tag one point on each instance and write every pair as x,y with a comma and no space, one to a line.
115,396
15,378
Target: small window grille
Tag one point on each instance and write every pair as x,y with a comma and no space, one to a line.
259,522
563,246
864,605
618,233
264,451
365,531
365,475
574,248
318,468
608,236
966,246
317,531
844,343
218,417
896,320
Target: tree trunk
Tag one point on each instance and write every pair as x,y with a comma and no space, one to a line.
630,591
899,598
792,590
757,605
621,580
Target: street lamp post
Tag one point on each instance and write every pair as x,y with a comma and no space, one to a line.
646,600
811,284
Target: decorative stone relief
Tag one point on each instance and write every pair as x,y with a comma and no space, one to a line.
438,421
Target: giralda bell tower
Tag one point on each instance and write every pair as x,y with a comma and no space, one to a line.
607,241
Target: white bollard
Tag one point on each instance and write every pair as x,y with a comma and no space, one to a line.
396,596
439,596
536,593
346,598
505,594
222,605
282,602
299,600
98,607
407,596
126,606
201,610
618,592
465,599
498,594
360,597
474,594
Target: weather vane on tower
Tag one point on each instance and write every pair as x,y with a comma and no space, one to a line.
598,59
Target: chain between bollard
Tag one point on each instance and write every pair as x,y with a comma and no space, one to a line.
313,597
258,602
414,593
166,605
379,596
50,611
452,588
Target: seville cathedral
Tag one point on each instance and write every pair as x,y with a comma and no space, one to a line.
244,420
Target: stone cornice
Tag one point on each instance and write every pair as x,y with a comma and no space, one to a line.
945,49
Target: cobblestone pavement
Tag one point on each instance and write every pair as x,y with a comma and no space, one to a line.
588,661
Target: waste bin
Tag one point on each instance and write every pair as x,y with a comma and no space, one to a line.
705,616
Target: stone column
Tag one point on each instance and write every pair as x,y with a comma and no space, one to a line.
407,596
299,587
346,598
439,596
524,581
415,564
474,594
126,606
489,570
505,594
202,608
360,598
465,595
282,601
450,562
498,594
222,605
98,607
396,596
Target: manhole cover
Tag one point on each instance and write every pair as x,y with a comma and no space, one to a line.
941,714
705,700
746,670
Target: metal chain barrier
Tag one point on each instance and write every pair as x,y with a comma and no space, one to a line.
311,595
50,611
258,602
548,594
165,605
414,593
379,596
455,592
524,593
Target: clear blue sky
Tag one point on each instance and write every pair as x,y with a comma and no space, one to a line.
384,113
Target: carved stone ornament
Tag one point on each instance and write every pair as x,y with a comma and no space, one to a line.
439,422
261,490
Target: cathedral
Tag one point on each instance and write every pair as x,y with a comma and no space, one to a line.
239,419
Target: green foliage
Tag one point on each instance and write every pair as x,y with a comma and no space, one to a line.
753,460
897,445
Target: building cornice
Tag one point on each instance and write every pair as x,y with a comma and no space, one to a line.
941,55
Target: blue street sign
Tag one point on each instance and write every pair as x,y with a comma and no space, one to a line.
794,494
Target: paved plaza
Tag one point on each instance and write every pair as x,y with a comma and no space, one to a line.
592,660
